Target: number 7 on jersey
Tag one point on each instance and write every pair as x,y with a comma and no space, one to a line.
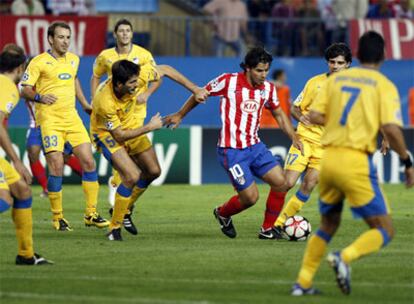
351,101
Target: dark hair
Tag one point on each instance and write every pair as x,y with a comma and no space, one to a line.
338,49
10,60
51,29
371,48
254,57
123,70
13,48
122,22
277,73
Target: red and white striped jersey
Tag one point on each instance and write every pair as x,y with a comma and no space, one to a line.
241,107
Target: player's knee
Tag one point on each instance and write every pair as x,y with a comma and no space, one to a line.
88,164
154,173
21,190
130,179
250,199
33,157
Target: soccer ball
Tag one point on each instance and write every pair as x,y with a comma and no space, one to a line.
297,228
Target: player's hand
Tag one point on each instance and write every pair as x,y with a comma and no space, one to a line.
155,122
409,177
88,109
385,146
18,165
200,94
173,120
298,145
142,98
305,120
48,99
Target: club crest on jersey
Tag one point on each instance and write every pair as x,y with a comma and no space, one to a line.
9,107
109,125
241,180
135,60
249,106
64,76
25,76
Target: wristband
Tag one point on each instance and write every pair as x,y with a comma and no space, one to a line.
37,98
407,162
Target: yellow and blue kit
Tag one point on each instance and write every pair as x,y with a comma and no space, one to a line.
59,122
309,135
138,55
356,103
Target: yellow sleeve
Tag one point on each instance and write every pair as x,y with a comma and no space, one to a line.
390,109
320,103
32,73
8,101
149,73
303,97
99,68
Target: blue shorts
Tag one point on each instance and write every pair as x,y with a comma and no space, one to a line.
34,138
242,164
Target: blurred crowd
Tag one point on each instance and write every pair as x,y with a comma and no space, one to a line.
46,7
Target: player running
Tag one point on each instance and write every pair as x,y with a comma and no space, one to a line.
240,151
353,106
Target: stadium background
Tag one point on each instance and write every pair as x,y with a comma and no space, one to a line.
179,35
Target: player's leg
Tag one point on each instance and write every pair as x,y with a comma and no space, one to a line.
14,191
237,165
129,174
295,164
90,185
34,147
299,199
71,160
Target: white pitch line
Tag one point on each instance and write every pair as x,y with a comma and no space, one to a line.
205,281
83,299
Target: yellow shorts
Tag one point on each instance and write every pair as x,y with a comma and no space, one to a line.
8,175
295,161
107,145
56,134
348,173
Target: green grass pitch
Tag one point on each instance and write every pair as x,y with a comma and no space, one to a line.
180,255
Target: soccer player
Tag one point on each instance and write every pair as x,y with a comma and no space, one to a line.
14,181
50,80
149,81
338,57
118,135
353,106
240,151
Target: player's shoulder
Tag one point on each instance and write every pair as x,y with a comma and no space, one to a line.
107,53
317,79
140,51
72,57
40,59
7,85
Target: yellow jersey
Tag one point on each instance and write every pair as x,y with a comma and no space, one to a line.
356,102
138,55
304,101
9,95
109,112
51,75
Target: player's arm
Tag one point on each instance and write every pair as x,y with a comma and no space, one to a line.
81,97
395,137
200,94
287,127
6,144
95,80
174,120
121,135
385,145
28,92
316,118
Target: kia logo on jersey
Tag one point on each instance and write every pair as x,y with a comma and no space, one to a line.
65,76
249,106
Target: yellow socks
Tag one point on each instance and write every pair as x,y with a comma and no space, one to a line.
122,198
293,206
90,187
314,252
22,218
366,243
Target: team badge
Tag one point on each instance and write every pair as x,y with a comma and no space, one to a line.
9,107
109,125
25,76
249,106
135,60
241,180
